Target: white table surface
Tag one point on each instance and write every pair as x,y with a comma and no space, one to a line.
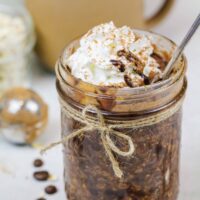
16,182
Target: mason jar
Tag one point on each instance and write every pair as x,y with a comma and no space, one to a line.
122,143
16,52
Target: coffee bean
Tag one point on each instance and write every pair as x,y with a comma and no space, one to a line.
38,163
41,198
41,175
51,189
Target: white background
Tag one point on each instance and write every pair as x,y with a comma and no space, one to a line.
16,182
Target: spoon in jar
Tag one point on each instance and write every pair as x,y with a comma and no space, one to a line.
179,50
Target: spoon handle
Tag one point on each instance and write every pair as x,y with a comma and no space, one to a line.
180,49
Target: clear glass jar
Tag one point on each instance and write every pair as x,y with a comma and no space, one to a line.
16,55
152,172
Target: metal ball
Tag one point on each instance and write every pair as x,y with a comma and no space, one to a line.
23,115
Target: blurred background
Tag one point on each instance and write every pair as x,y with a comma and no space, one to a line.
56,23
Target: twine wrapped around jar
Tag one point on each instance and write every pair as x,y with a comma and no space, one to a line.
107,128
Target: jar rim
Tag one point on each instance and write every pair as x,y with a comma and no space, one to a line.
137,91
29,39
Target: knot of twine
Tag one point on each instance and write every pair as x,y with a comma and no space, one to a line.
106,129
105,132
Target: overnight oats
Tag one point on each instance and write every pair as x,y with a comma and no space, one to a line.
120,131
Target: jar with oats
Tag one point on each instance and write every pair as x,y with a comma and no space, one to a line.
122,143
17,40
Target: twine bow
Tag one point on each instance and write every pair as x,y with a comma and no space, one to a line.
105,132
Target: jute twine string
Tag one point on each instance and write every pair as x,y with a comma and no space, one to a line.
106,128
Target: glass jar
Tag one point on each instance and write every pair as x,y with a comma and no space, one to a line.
153,114
16,48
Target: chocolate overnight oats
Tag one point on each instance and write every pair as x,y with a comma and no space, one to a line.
121,132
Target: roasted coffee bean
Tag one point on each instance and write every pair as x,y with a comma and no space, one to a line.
51,189
121,53
41,175
38,163
41,198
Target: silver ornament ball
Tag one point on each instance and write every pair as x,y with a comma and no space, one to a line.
23,115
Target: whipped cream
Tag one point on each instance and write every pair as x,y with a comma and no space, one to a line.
111,56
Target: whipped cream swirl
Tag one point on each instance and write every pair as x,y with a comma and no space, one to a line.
111,56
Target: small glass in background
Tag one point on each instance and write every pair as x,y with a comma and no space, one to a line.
17,39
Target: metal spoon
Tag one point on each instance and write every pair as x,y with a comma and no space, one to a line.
180,49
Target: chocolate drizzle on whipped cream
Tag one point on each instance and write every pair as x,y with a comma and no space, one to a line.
119,64
117,57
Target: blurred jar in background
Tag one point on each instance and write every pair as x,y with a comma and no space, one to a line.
17,40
